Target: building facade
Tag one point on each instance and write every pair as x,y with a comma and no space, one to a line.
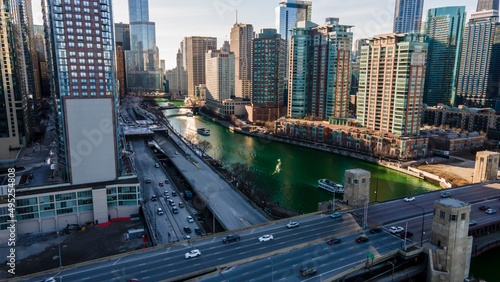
486,5
122,42
391,83
268,75
143,62
41,54
241,43
177,79
80,48
444,30
196,48
408,16
320,70
16,101
451,140
479,74
219,66
356,139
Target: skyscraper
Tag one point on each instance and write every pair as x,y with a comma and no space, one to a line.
268,74
143,59
41,54
391,83
479,74
177,78
80,47
219,74
408,15
122,42
289,13
196,48
122,35
319,71
15,108
444,30
241,42
486,5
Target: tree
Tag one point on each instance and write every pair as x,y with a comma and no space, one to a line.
204,145
192,138
269,127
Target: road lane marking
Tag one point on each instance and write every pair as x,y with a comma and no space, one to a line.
168,249
252,231
213,239
117,261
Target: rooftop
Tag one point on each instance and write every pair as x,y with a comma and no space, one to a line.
452,203
358,171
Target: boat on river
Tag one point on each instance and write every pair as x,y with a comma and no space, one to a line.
330,186
203,131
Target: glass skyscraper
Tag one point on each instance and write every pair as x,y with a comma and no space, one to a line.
143,74
408,15
444,30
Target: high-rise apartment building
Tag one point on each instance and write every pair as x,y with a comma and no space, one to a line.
142,68
479,73
268,75
219,67
241,42
122,42
319,71
196,48
391,83
357,47
408,15
80,47
15,105
444,29
486,5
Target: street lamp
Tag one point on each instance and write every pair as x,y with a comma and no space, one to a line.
423,220
272,269
59,245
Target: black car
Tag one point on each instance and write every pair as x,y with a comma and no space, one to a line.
148,180
483,208
407,233
231,238
362,239
197,231
445,195
305,272
181,205
174,193
334,241
166,181
154,198
187,230
375,230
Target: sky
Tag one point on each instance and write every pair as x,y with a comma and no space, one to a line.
178,19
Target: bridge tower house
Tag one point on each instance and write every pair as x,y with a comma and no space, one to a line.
486,166
357,187
450,253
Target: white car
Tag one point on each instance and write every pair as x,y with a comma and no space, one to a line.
490,211
159,211
292,224
192,254
190,219
157,165
396,229
409,199
265,238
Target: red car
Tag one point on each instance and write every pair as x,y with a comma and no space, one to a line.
161,184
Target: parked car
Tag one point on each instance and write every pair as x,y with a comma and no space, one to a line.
154,198
445,195
181,205
409,199
362,239
490,211
483,208
336,215
192,254
190,219
231,238
334,241
159,211
197,231
292,224
396,229
375,230
306,272
187,229
265,238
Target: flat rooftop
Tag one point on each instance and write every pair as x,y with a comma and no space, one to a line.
453,203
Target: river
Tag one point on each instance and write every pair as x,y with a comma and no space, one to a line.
290,173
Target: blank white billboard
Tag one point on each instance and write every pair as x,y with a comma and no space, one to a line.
91,140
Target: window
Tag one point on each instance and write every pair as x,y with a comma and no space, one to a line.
441,215
463,216
453,217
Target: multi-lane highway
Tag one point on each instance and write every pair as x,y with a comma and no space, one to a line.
283,262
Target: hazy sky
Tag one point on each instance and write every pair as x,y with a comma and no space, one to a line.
178,19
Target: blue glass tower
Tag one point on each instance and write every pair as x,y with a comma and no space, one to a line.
408,15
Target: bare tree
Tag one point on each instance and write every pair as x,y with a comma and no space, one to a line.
269,127
204,145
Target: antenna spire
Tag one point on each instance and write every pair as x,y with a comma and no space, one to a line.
236,16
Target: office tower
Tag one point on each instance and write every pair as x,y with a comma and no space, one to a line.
268,62
357,47
241,42
219,67
479,73
319,71
15,127
391,83
41,54
486,5
289,13
142,67
408,15
196,48
184,52
444,30
122,35
80,48
177,78
226,47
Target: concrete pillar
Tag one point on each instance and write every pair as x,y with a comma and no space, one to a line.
452,246
357,187
486,166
